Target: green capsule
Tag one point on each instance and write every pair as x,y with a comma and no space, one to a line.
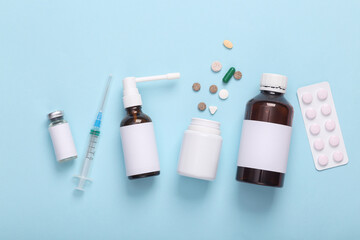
229,75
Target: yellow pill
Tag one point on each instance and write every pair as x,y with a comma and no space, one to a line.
228,44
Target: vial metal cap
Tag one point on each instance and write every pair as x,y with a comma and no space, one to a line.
56,114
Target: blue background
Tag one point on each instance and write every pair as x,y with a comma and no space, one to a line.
57,55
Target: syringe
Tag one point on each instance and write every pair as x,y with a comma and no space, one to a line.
94,136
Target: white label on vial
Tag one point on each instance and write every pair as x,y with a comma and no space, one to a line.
139,147
264,146
62,141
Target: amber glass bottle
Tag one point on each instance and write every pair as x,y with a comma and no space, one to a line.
136,117
266,134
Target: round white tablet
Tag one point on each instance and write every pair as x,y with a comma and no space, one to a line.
223,94
216,66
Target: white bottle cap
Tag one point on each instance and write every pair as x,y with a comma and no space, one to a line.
132,96
273,82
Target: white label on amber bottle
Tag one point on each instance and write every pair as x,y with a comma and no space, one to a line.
264,146
139,147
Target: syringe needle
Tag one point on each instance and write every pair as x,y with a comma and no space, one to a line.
106,92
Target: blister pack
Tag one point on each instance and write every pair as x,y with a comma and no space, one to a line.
322,126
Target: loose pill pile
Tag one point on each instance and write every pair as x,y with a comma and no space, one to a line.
223,94
216,67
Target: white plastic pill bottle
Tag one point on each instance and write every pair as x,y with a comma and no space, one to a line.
61,137
200,150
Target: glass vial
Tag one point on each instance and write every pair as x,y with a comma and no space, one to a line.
61,137
266,133
139,144
200,150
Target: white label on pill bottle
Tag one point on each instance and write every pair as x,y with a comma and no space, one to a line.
62,141
264,146
139,147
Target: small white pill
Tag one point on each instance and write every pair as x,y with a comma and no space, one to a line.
338,156
223,94
322,94
323,160
334,141
307,98
319,145
212,109
315,129
325,109
330,125
310,114
216,66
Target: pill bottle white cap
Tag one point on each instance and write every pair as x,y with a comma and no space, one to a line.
200,150
273,82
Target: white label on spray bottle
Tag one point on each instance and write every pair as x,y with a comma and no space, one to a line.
264,146
62,141
139,146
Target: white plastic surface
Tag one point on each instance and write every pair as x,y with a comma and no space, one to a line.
273,82
139,147
200,150
63,142
327,144
264,146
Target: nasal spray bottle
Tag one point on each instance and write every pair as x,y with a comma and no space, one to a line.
137,131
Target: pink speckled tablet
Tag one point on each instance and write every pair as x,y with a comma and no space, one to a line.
334,141
330,125
310,114
307,98
319,144
322,94
315,129
326,109
338,156
323,160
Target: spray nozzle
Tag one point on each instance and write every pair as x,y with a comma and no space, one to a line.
132,96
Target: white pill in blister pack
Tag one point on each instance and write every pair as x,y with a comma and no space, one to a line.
322,126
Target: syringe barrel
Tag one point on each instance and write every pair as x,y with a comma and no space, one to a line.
94,135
